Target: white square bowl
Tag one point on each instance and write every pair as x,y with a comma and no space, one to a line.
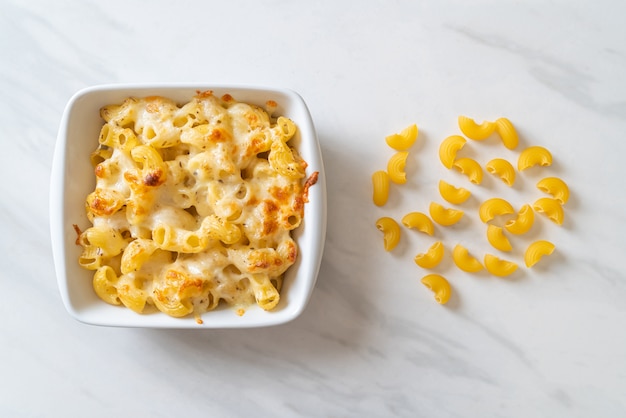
73,179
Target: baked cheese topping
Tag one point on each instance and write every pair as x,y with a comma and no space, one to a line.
193,204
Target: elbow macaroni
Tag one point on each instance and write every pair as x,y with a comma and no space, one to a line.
499,267
475,131
194,204
555,187
507,133
497,239
551,208
454,195
523,222
448,149
493,207
470,168
533,156
395,167
440,287
503,169
390,230
464,261
536,251
380,184
432,257
404,140
419,221
444,216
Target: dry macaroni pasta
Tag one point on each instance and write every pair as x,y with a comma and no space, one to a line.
499,267
523,222
452,194
551,208
440,287
380,186
556,187
533,156
470,168
419,221
507,133
464,261
395,167
444,216
475,131
193,205
391,232
503,169
448,149
432,257
536,251
497,239
493,207
404,140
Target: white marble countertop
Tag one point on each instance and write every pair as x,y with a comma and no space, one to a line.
546,342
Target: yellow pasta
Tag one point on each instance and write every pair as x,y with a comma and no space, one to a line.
395,167
452,194
286,161
104,281
507,133
503,169
555,187
136,254
523,222
499,267
448,149
391,232
533,156
131,294
497,239
476,131
444,216
493,207
470,168
432,257
551,208
419,221
154,170
464,261
380,183
404,140
192,203
536,251
440,287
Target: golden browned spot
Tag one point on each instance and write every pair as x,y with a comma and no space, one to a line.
203,94
190,287
219,135
100,171
292,252
153,179
269,226
252,119
308,183
271,103
227,98
78,233
282,195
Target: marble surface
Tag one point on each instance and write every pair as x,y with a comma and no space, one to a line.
545,342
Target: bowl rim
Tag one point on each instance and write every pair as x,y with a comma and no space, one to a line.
316,214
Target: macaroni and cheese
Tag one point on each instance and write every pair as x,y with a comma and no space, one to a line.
193,204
